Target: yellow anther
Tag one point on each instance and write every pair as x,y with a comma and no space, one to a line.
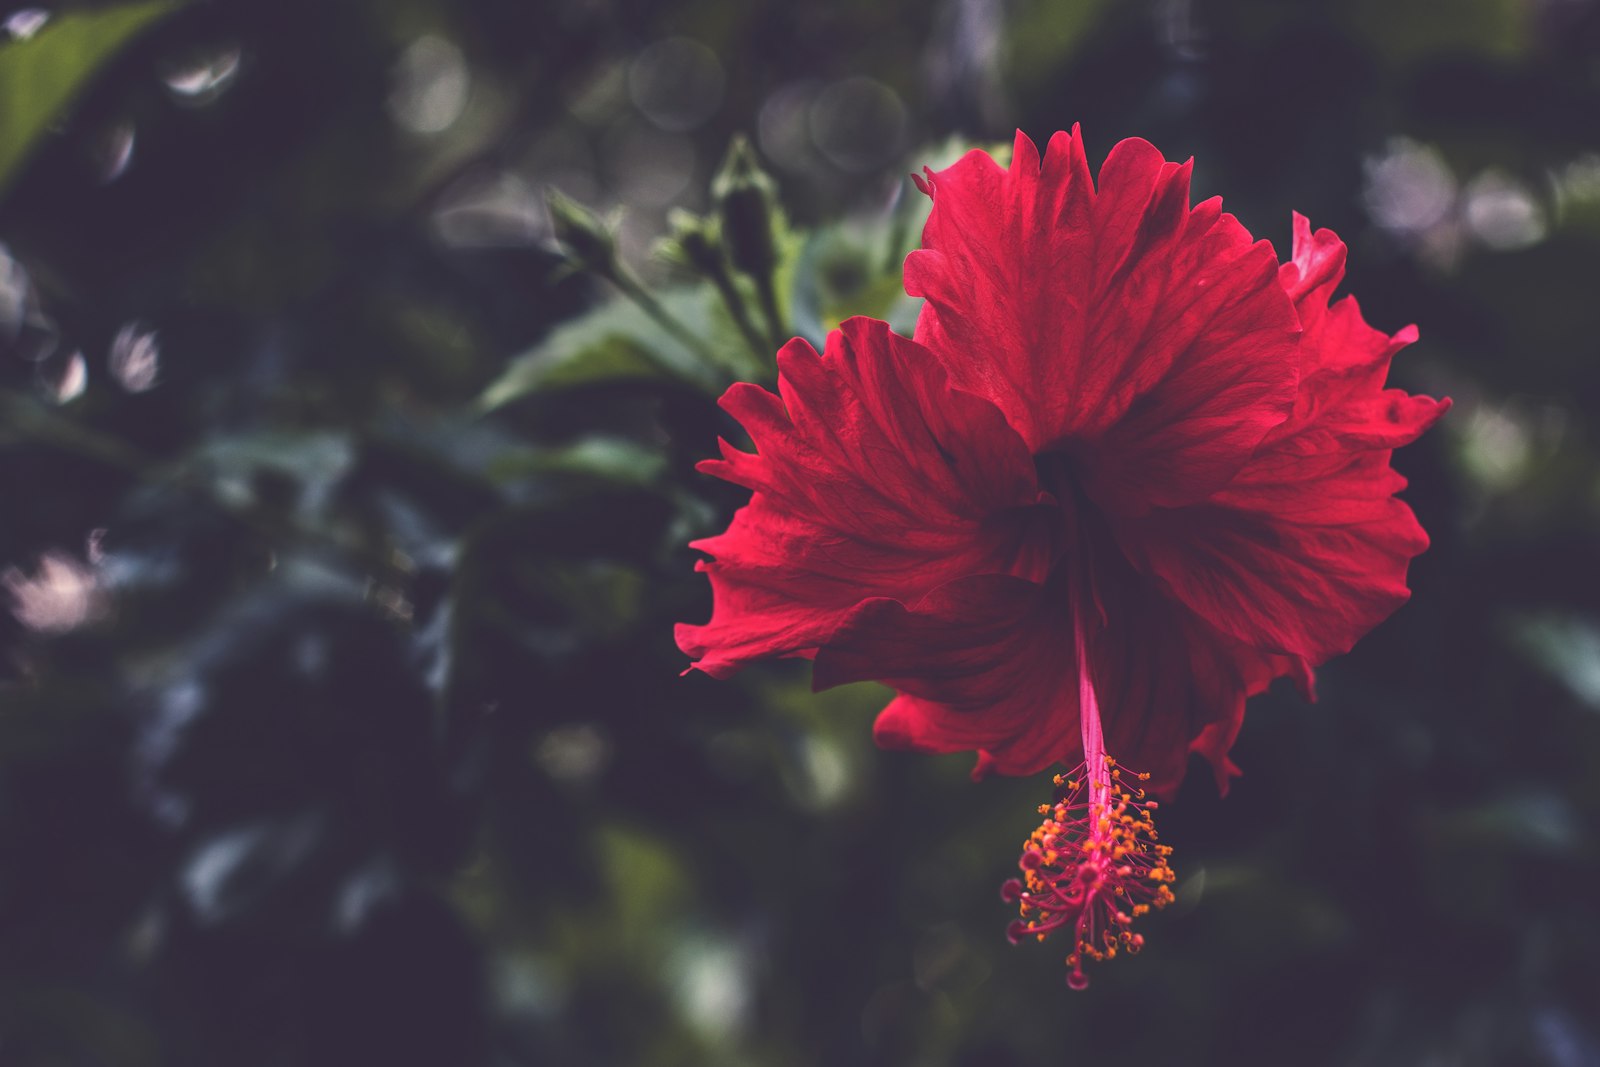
1094,865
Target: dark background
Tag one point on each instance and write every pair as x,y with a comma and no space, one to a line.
340,718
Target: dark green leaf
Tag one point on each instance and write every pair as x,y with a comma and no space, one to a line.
619,343
607,458
40,77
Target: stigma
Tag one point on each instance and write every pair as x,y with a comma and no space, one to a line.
1093,866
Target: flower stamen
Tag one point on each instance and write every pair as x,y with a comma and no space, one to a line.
1092,867
1095,863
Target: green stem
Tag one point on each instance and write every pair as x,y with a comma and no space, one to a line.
634,290
734,302
769,309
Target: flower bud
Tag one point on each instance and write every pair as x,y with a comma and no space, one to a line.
744,196
692,242
586,239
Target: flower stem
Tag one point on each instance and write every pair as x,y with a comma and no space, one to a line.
769,309
734,302
634,290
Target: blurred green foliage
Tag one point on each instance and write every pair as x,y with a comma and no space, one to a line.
38,80
346,526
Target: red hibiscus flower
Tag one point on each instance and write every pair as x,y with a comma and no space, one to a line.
1129,470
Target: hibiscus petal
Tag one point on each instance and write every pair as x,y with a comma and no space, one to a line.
1168,682
1306,570
986,664
982,663
872,477
1306,549
1155,335
959,644
1314,270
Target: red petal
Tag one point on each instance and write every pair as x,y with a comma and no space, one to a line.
986,664
1168,683
982,663
1124,322
1306,549
1254,671
872,478
971,643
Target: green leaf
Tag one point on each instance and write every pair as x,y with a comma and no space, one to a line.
607,458
1410,32
1567,646
39,77
618,343
1042,37
853,268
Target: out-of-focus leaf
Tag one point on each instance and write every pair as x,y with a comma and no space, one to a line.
1539,822
1042,36
40,76
856,266
233,871
847,270
790,245
602,598
314,463
608,458
648,882
1412,30
619,343
1567,647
